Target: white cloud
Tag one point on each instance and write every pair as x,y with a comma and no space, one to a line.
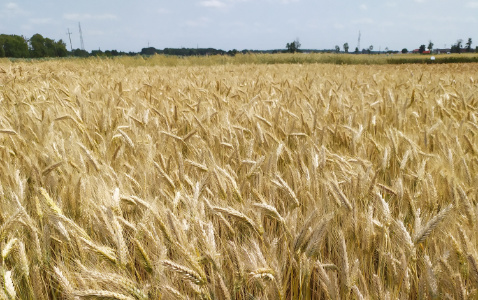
95,32
77,17
228,3
201,22
12,9
363,21
212,3
363,7
163,11
40,21
472,4
11,6
26,27
339,26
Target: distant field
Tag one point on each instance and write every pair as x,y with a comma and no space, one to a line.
283,58
131,179
301,58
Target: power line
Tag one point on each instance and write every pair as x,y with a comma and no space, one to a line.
81,37
358,43
69,36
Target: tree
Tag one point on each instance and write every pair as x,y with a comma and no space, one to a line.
97,53
50,47
14,46
404,50
459,43
468,45
337,48
37,46
232,52
45,47
356,50
80,53
294,46
60,48
430,46
457,47
148,51
421,49
297,44
370,48
346,47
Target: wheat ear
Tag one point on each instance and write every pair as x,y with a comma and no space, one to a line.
102,294
184,272
425,231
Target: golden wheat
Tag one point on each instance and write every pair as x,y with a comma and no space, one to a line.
123,179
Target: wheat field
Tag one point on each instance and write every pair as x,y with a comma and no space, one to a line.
277,181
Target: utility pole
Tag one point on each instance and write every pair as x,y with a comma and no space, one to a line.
69,36
358,43
81,37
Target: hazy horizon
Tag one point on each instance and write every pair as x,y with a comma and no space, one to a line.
244,24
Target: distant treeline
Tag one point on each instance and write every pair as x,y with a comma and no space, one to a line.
37,46
212,51
16,46
200,51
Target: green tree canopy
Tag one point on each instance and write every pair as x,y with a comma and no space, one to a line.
14,45
468,45
457,47
80,53
346,47
294,46
37,44
46,47
60,48
370,48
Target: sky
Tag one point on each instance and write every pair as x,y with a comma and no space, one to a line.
244,24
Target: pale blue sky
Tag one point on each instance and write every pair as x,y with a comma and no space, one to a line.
244,24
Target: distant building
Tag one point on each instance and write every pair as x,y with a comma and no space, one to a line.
442,51
424,52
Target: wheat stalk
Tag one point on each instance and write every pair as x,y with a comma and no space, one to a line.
185,272
237,216
425,231
102,294
183,177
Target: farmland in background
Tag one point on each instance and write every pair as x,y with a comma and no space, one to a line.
279,58
175,178
298,58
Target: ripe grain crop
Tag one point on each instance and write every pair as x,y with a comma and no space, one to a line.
246,181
